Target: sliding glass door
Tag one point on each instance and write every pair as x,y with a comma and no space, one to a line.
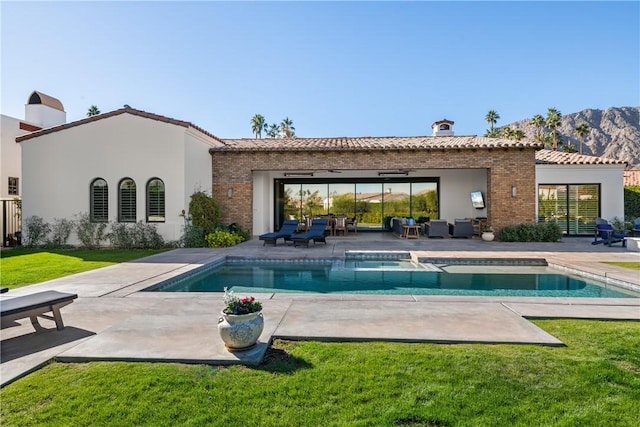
573,207
369,201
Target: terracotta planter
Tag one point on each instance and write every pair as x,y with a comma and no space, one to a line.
240,331
488,236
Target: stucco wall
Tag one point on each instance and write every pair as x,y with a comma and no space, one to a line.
461,171
59,167
10,158
610,178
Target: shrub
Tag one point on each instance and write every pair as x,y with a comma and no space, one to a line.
135,236
223,239
60,232
89,233
36,231
529,232
632,201
204,211
193,237
146,236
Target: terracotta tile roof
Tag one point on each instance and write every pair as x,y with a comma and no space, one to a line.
631,177
550,157
127,110
371,143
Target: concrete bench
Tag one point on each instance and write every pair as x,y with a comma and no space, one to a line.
35,305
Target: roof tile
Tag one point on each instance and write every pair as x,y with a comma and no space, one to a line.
550,157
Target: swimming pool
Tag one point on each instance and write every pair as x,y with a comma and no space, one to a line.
388,277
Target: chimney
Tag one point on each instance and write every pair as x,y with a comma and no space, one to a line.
44,110
442,127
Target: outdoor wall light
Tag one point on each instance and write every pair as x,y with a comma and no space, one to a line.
298,174
514,191
230,192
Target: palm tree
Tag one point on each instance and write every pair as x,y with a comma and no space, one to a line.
273,131
506,132
538,122
93,111
582,130
492,118
287,128
552,122
517,134
258,124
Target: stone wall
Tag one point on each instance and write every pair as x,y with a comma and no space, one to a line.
506,168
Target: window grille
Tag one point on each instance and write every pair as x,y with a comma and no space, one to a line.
155,200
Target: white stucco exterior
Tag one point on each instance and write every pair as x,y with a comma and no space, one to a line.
59,167
10,158
609,177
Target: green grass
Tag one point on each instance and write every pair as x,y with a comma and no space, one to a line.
633,265
20,267
594,381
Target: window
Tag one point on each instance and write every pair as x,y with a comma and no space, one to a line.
99,201
444,127
13,186
127,200
155,200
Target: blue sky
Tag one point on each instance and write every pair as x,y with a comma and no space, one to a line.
334,68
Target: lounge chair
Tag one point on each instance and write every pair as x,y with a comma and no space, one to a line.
607,235
436,228
288,228
316,233
461,228
636,227
35,305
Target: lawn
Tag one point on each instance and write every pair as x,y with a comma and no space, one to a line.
633,265
21,267
593,381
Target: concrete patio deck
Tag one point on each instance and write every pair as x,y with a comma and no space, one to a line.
112,320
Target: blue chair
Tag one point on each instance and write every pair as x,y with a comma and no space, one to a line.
636,227
288,228
316,233
607,235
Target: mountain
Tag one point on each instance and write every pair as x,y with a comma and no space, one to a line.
614,132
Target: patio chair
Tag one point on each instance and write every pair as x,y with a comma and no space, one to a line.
288,228
461,228
36,305
436,228
316,233
607,235
352,225
340,225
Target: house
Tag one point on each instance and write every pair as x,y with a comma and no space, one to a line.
130,165
40,111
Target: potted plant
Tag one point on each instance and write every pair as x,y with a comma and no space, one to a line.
241,322
487,233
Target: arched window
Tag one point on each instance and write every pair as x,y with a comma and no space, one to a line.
155,200
127,200
444,127
99,201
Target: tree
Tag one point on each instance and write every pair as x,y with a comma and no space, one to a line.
273,131
538,122
506,132
517,134
492,118
286,126
93,111
553,122
258,124
582,130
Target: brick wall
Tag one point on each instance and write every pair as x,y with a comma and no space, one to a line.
505,168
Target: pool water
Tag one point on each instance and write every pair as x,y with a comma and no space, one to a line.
388,278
